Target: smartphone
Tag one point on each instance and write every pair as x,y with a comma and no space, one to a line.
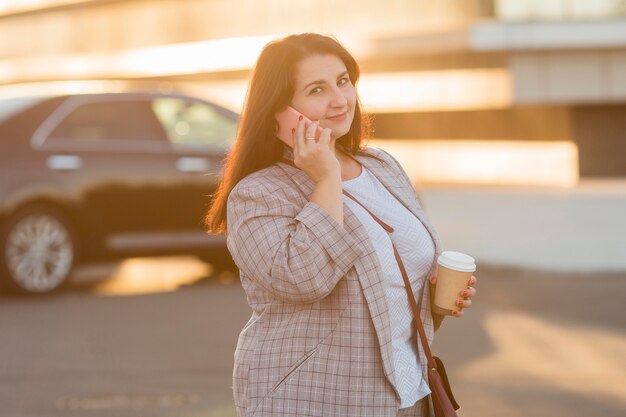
287,120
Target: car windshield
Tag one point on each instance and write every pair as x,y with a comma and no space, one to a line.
10,106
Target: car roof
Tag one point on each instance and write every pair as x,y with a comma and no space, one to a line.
10,106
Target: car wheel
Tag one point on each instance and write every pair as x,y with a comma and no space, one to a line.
39,250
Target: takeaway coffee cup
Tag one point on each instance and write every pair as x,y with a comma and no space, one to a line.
454,270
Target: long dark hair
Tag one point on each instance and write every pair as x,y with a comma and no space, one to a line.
270,90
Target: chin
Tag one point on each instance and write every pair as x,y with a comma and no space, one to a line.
335,137
345,129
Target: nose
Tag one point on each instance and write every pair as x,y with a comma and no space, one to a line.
338,99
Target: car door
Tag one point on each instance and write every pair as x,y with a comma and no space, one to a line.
117,158
200,134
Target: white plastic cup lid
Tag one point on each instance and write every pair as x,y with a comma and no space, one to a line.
457,261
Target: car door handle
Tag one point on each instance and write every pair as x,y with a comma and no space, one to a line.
64,162
189,164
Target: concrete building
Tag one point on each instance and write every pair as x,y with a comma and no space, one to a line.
506,70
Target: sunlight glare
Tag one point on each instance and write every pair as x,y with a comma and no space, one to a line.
486,161
17,6
153,275
436,90
176,59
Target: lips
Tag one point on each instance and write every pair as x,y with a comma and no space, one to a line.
338,116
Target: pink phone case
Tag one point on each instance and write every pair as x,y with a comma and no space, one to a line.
287,120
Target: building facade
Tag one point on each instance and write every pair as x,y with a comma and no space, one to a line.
514,71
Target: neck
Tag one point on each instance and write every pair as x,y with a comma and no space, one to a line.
341,155
337,150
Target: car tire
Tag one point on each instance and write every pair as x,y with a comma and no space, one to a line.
38,249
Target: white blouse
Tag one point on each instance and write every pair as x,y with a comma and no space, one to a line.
417,251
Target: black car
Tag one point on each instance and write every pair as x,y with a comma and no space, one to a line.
105,176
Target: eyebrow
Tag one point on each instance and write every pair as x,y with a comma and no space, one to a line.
322,81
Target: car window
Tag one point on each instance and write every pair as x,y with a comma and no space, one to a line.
194,123
130,120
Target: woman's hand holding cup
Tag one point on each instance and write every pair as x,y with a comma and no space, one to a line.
452,289
465,295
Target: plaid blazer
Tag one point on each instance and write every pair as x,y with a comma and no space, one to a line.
319,339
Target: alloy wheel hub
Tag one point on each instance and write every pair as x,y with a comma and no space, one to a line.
39,253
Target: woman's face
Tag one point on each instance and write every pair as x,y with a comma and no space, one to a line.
324,92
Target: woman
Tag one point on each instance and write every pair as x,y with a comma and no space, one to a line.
330,333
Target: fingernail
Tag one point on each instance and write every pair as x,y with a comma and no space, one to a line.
300,118
465,293
459,303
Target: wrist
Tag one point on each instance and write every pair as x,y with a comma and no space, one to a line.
331,180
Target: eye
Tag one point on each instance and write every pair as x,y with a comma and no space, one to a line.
343,81
316,90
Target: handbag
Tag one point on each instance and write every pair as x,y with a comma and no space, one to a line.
443,400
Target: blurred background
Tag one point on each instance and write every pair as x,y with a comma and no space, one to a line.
115,116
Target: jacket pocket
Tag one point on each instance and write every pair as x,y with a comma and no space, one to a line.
293,370
304,360
280,398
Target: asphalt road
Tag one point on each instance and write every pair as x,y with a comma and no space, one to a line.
117,344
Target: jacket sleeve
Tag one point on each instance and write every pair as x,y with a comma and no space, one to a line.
297,254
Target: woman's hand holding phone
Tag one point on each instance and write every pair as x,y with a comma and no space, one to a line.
315,157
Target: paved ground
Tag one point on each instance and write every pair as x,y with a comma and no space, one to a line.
536,344
540,344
